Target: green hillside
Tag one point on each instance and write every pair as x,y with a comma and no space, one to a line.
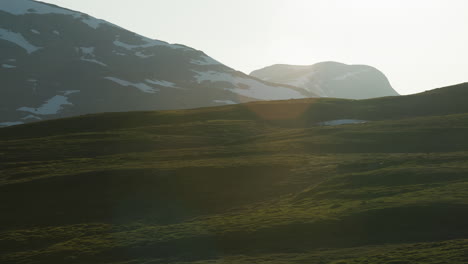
253,183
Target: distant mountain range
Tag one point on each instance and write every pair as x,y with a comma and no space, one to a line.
56,63
331,79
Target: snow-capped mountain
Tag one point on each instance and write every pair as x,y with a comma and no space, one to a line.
331,79
56,62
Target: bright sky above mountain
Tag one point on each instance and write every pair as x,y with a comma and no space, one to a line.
418,44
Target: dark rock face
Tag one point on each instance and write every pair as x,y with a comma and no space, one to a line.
331,79
55,63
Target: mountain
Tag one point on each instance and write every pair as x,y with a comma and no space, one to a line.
261,182
331,79
56,62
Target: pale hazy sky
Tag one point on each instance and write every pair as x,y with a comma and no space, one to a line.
418,44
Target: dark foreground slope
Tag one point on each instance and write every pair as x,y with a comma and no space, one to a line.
252,183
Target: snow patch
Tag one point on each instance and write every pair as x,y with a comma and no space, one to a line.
31,117
67,93
87,50
93,22
228,102
213,76
119,53
147,44
342,122
205,61
56,32
5,124
94,61
248,87
35,31
161,83
51,106
349,75
318,90
141,86
87,54
8,66
153,43
305,82
18,39
142,55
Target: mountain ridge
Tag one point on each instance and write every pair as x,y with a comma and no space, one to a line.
331,79
71,63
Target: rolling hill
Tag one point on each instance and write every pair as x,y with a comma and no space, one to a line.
261,182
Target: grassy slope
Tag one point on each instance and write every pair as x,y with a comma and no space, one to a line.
254,183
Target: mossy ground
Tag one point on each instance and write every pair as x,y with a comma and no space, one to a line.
237,184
